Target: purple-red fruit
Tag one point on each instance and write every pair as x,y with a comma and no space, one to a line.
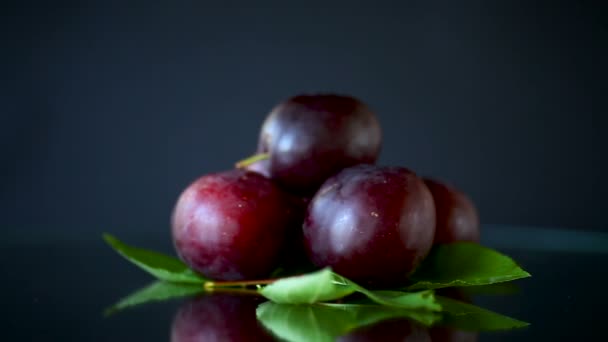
218,317
371,224
457,218
231,225
311,137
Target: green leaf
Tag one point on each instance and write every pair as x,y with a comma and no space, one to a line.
324,285
157,291
464,264
469,317
309,288
326,322
159,265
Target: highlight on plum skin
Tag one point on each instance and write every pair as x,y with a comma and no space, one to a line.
371,224
457,218
311,137
232,225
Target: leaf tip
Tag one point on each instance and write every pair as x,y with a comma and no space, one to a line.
109,239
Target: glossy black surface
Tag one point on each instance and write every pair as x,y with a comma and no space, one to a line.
55,287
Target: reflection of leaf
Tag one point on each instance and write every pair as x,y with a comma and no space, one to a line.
464,264
159,265
367,314
326,322
469,317
407,300
324,285
157,291
304,323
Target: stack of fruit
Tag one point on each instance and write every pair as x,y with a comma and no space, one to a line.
313,194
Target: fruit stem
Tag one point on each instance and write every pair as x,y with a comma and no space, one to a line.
211,285
251,160
233,291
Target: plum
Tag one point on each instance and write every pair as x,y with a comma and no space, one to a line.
371,224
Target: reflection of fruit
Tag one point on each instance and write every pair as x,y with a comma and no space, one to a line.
387,331
231,225
457,218
445,334
311,137
218,317
371,224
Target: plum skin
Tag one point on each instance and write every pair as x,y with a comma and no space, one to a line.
457,218
371,224
231,225
311,137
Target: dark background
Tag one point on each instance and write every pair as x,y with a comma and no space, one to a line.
109,109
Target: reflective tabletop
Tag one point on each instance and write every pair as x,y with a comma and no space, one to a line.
56,286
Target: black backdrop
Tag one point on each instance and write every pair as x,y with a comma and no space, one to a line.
110,108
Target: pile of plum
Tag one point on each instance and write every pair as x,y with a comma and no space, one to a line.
313,194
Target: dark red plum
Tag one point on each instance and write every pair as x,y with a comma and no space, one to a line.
311,137
232,225
457,218
371,224
218,317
